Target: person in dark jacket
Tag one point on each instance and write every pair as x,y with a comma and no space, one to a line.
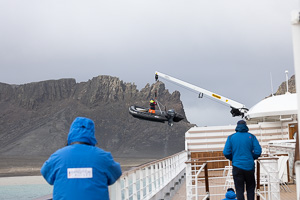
242,148
81,170
230,194
152,106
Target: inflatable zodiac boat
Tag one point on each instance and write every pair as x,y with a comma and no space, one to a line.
159,116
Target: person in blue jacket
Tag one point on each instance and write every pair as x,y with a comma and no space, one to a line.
230,194
81,170
242,148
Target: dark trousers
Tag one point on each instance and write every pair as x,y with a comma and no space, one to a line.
242,177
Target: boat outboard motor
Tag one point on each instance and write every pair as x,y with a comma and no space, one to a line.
170,116
235,112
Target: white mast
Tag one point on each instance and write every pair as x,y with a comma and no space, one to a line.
237,108
287,81
271,84
296,46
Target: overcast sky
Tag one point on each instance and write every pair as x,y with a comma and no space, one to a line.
231,47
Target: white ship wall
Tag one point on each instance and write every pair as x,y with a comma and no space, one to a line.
213,138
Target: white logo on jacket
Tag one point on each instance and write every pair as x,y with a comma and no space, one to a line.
80,172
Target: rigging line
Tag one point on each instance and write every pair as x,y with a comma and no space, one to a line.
158,106
208,97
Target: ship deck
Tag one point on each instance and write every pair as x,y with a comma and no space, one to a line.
180,194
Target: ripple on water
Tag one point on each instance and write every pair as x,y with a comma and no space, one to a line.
24,192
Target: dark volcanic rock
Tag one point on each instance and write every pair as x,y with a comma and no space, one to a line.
35,117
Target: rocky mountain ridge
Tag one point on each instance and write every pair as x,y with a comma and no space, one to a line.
35,117
291,86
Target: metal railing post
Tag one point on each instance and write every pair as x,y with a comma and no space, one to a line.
152,172
206,180
148,181
141,184
196,179
126,181
258,180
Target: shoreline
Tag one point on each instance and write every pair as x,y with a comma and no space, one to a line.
16,166
22,180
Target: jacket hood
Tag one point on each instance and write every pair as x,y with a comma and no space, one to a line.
82,130
241,127
230,195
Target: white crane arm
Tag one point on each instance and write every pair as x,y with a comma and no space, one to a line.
233,104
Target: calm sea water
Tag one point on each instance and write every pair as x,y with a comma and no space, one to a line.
33,191
24,192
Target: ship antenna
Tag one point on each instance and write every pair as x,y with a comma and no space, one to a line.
271,84
287,81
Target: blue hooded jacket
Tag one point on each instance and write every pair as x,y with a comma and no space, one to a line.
242,148
81,170
230,195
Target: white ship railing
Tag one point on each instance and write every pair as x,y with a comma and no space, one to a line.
149,180
208,182
284,147
268,187
297,170
203,182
